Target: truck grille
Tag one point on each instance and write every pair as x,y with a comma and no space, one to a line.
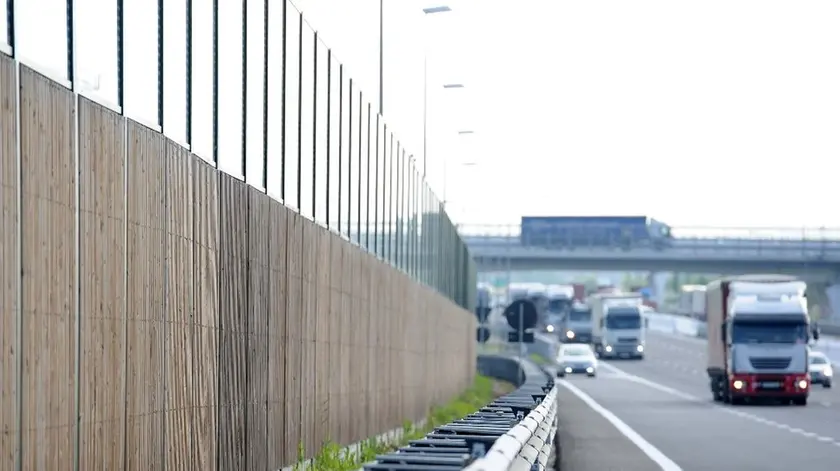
628,339
770,363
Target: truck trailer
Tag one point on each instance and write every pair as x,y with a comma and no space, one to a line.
617,325
757,342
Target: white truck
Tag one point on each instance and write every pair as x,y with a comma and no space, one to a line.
618,325
693,301
758,332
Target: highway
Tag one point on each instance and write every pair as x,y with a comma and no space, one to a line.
662,409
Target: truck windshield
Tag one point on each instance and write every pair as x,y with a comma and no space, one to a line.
580,316
624,319
558,304
769,332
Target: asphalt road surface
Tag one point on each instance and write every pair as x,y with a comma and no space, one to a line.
663,407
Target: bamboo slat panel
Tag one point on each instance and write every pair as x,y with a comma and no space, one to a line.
206,320
179,348
102,280
233,290
323,328
336,339
50,287
278,451
308,315
294,341
9,270
146,298
259,259
219,329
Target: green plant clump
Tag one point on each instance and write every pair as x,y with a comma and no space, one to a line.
333,457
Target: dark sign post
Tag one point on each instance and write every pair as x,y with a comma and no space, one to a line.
521,315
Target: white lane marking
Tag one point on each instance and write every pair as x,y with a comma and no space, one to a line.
728,410
651,451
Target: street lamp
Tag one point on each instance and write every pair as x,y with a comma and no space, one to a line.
461,164
427,11
430,11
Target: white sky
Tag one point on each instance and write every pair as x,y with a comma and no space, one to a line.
716,113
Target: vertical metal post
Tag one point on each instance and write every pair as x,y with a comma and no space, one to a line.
300,113
359,190
284,81
340,142
10,26
329,133
71,75
350,159
121,104
19,309
425,111
382,57
160,64
314,124
376,231
243,151
398,211
367,179
189,71
391,225
216,83
265,97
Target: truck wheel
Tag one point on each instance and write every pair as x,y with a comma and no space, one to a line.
800,401
827,385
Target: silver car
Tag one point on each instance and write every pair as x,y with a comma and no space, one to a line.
576,358
820,369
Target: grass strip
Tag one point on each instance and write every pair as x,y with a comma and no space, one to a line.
333,457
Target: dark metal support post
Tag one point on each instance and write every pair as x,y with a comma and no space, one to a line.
265,97
243,151
216,83
160,61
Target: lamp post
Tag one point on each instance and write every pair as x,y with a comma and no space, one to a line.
427,11
446,166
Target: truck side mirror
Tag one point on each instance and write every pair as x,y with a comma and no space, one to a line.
723,332
816,333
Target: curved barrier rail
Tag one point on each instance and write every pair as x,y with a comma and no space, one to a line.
516,431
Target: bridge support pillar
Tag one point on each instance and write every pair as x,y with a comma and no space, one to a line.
824,300
657,282
832,292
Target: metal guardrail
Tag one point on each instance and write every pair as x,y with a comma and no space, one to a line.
517,428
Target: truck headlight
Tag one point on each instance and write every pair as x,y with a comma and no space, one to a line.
803,384
570,334
828,371
640,348
608,348
737,384
550,328
568,370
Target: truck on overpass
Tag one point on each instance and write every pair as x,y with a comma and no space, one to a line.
627,232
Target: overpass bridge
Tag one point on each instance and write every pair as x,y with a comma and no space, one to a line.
811,253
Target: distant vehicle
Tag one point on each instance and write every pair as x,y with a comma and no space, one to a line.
693,302
571,232
757,337
576,358
484,303
559,299
576,326
820,369
618,325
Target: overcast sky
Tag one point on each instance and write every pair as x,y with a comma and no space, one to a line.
696,113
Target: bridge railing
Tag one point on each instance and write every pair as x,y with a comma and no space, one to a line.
809,241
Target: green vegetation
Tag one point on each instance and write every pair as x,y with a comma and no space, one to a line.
539,359
333,457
